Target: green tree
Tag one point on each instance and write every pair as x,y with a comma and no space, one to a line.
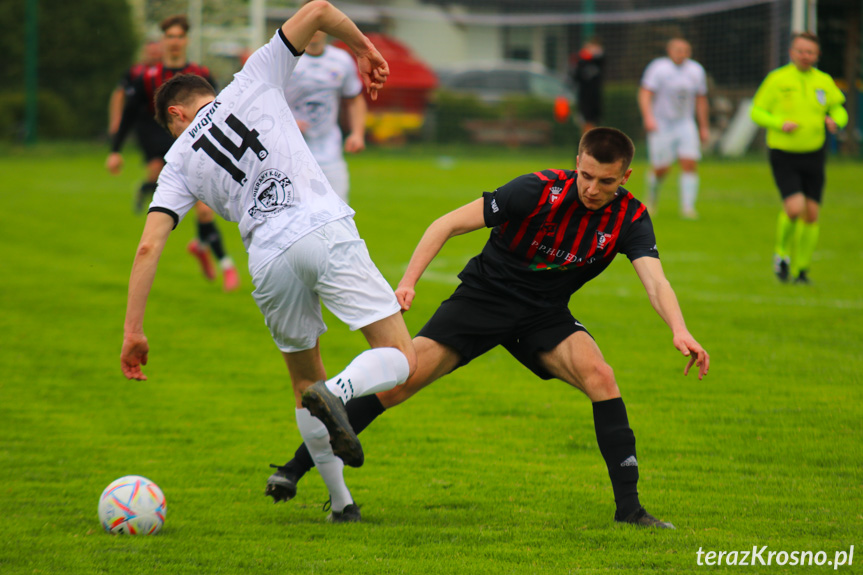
84,47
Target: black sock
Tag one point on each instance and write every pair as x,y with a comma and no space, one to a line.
209,234
617,445
361,412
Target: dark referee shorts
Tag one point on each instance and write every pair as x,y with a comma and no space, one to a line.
474,321
795,173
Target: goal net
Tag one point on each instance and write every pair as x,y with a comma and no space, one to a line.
737,41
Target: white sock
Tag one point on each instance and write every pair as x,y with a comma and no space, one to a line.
652,188
372,371
330,467
226,263
688,190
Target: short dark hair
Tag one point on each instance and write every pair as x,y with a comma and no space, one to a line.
806,36
175,20
180,89
607,146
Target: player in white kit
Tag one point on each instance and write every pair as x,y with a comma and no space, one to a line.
242,154
672,96
325,77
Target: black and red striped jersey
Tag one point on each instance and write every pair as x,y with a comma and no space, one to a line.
545,244
133,73
156,75
140,107
130,80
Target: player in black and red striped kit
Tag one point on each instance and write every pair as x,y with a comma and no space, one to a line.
553,231
139,112
152,55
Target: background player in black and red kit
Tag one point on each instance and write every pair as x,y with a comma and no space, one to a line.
151,55
553,231
587,76
155,142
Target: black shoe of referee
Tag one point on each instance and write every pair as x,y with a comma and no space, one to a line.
781,268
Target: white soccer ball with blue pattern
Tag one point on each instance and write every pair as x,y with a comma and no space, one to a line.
132,505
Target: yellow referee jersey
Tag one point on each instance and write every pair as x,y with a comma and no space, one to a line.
805,98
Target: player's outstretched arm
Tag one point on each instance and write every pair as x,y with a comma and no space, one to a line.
765,119
132,104
134,355
321,15
115,109
461,221
664,301
114,163
135,347
702,114
645,105
836,119
356,110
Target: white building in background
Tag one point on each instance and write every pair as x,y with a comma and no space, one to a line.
447,34
443,36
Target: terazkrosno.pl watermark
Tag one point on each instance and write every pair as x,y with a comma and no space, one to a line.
764,556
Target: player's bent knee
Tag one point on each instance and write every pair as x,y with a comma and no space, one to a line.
406,362
398,394
393,363
811,215
411,355
601,384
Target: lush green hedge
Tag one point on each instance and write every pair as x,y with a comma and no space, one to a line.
450,110
84,48
56,120
620,109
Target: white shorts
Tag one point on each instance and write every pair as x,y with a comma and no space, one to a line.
337,175
672,141
331,264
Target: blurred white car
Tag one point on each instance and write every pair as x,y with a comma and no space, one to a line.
493,81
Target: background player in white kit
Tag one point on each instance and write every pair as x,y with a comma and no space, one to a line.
325,77
242,154
673,94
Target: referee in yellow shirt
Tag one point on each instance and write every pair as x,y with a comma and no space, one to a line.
796,103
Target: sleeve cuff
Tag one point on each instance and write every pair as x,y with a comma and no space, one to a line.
169,212
289,45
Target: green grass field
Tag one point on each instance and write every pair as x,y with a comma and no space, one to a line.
490,470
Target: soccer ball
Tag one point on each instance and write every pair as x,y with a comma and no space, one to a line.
132,505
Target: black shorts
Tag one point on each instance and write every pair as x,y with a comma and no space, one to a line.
153,139
796,173
590,109
474,321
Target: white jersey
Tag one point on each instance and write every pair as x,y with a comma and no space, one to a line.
317,87
244,156
674,88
